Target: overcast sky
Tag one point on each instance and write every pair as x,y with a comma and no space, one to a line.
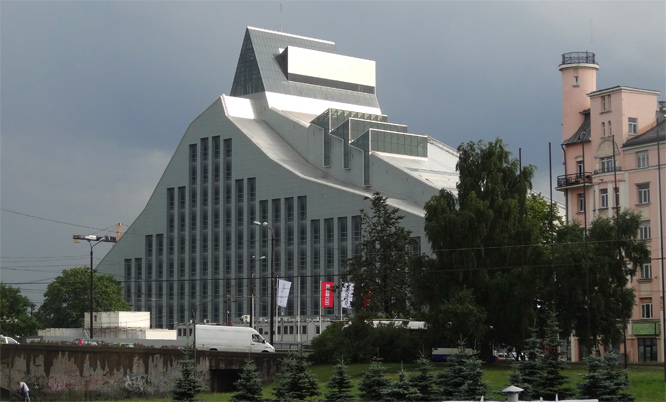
95,96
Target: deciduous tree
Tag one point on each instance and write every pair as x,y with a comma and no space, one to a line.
67,298
481,239
593,271
16,313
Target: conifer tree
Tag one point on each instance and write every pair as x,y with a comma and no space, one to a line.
339,385
552,383
188,385
380,269
452,378
474,387
373,381
400,390
249,385
296,381
603,380
424,381
526,374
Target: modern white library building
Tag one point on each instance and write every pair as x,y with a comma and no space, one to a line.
272,178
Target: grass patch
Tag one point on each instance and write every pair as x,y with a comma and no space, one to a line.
647,382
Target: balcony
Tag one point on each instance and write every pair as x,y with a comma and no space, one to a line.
575,179
609,169
578,58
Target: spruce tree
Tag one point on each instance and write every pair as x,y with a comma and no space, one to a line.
188,385
373,382
526,374
424,381
400,390
603,380
339,385
452,378
474,387
249,385
551,384
296,381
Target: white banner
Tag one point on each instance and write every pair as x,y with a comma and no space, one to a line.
283,292
347,294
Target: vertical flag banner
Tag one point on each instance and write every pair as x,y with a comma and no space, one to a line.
347,294
327,294
283,292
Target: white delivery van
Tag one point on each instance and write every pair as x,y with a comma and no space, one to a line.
231,339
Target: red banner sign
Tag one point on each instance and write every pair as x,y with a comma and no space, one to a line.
327,294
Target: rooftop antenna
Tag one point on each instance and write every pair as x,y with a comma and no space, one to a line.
280,17
591,33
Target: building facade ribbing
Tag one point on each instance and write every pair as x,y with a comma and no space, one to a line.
300,143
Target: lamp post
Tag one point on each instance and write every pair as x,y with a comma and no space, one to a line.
252,287
272,310
93,241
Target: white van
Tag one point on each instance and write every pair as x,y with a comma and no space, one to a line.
231,339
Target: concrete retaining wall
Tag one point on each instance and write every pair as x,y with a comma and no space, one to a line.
64,372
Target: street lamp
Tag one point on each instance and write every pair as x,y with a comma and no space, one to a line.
93,241
272,310
252,287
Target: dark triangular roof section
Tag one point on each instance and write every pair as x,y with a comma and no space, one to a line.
583,132
648,137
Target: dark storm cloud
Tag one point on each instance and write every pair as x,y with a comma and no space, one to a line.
96,95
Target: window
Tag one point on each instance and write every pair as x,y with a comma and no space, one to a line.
603,129
603,197
646,271
644,231
642,159
643,193
605,103
647,350
581,202
580,168
646,308
633,126
610,129
607,164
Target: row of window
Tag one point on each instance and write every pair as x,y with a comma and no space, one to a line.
643,194
632,127
607,163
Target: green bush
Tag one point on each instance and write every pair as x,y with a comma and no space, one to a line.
359,342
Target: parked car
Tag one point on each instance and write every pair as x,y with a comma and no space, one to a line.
8,340
85,341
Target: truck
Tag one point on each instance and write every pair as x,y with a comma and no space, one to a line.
231,339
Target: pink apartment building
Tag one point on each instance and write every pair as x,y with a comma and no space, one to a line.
610,141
